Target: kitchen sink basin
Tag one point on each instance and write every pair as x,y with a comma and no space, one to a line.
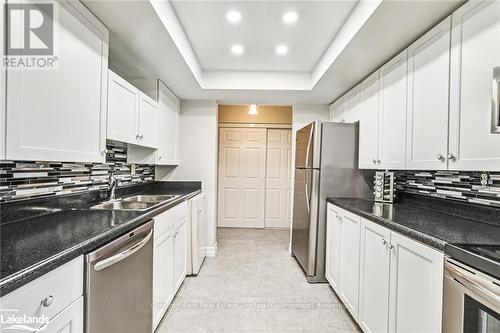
136,202
150,198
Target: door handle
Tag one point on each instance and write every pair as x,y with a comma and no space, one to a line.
100,265
309,145
307,199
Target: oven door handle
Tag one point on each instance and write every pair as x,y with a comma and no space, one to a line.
472,282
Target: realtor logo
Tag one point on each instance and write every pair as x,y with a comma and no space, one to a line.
30,29
29,36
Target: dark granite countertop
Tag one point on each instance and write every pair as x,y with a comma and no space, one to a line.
33,246
434,222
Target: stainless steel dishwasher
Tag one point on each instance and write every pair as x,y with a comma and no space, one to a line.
119,284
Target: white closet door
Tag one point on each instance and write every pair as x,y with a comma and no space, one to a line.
278,178
242,177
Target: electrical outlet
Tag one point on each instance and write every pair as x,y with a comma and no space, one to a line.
132,169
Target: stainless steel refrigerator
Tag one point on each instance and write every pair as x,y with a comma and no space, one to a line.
326,165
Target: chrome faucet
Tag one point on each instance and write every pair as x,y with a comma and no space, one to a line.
112,183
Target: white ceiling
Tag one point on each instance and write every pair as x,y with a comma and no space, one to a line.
148,41
259,31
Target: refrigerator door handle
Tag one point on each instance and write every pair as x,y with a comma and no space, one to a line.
307,199
311,133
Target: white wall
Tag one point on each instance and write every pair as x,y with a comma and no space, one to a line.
198,156
302,114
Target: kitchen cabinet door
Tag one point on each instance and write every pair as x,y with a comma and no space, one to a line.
180,243
60,114
368,125
340,113
416,287
332,263
167,127
70,320
147,121
374,277
392,113
349,261
163,275
427,111
123,110
475,53
352,105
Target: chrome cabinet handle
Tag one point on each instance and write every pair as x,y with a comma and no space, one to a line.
47,301
384,242
495,100
440,157
391,246
142,136
378,161
374,161
137,136
450,156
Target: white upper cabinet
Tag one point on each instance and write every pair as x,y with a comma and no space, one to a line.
167,126
60,114
392,113
368,125
147,121
475,53
123,109
352,106
428,85
339,111
416,292
132,114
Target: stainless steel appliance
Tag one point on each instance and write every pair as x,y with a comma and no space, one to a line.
472,289
119,288
326,165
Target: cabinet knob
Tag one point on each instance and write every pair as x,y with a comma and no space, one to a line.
378,161
384,242
391,246
141,137
440,157
159,158
450,156
374,161
48,301
103,152
137,136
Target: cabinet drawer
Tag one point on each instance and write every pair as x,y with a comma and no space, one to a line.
171,217
59,288
70,320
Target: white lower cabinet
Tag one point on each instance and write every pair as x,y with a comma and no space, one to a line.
57,296
169,258
70,320
416,286
342,266
399,280
374,277
180,251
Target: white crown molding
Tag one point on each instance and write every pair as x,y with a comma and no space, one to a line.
255,80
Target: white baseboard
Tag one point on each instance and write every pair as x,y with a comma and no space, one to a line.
211,251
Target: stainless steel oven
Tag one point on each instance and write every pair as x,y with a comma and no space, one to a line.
471,300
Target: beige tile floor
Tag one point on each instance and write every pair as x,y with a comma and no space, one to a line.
253,285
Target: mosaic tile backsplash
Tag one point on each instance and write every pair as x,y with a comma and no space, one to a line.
24,179
468,186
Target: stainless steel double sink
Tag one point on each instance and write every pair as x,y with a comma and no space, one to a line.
136,202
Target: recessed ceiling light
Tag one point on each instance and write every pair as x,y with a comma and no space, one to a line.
290,17
237,49
233,16
281,49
